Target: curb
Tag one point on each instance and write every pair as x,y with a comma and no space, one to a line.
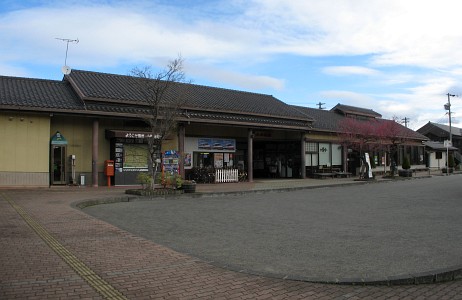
428,277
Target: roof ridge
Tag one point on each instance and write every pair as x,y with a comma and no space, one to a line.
31,79
186,83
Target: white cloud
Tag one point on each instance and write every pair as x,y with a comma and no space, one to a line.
395,32
348,97
350,70
242,81
109,35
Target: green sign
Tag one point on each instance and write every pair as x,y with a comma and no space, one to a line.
58,139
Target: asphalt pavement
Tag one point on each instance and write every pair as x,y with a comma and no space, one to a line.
394,230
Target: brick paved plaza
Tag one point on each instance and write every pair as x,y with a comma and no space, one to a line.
52,250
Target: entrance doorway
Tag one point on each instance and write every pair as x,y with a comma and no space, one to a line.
276,159
58,164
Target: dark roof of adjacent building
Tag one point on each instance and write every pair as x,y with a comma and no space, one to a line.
325,120
356,111
37,94
438,146
439,130
330,121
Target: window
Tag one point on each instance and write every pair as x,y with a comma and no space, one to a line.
311,147
337,154
417,155
439,155
311,156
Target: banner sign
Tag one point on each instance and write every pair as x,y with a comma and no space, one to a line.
216,144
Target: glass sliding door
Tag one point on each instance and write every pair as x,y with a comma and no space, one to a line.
58,164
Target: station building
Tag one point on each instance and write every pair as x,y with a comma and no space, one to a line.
63,132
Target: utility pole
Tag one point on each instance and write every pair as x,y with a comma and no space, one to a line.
447,106
320,105
405,121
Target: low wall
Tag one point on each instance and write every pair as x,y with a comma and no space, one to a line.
24,179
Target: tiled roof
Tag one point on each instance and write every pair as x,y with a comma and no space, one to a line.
124,89
440,130
37,94
438,146
359,111
329,120
211,103
325,120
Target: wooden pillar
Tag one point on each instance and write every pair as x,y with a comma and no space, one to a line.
302,153
250,155
181,135
94,154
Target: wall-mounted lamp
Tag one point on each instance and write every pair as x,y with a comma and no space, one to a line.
11,118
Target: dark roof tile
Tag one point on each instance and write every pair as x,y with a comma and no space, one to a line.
353,110
123,88
37,93
440,130
329,120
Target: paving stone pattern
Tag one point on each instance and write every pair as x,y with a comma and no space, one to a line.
136,267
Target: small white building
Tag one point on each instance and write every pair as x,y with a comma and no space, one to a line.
437,154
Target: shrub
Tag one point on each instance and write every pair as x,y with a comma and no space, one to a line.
406,164
169,180
144,179
451,162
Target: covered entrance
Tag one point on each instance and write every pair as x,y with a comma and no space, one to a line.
276,159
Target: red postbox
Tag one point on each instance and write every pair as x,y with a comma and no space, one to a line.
109,170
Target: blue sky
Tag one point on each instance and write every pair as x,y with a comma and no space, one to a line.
399,58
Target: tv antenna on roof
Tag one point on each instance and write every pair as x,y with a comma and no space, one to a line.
65,69
320,105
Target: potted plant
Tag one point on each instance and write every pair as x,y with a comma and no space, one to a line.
406,168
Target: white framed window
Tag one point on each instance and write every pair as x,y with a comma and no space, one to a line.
311,147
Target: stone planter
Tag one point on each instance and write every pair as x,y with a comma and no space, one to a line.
188,187
156,192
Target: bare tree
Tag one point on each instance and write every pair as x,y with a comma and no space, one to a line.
162,94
